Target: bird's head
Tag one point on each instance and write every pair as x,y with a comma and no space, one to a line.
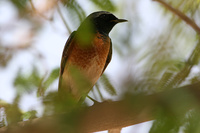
101,21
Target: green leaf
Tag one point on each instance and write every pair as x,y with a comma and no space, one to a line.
66,2
76,12
52,77
166,125
27,82
75,7
107,85
29,115
104,4
166,77
20,5
13,113
35,77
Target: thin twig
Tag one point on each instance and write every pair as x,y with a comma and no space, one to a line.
65,23
35,10
181,15
98,90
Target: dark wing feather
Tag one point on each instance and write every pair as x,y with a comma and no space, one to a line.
108,57
65,56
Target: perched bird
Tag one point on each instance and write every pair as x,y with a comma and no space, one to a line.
86,55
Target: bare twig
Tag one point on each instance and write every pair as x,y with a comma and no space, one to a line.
181,15
40,14
63,19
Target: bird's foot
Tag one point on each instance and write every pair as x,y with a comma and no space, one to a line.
95,101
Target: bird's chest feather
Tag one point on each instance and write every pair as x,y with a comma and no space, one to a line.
91,60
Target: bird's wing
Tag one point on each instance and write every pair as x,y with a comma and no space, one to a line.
108,57
65,56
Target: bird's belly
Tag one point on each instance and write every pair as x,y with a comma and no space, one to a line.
84,67
89,68
91,61
94,69
81,78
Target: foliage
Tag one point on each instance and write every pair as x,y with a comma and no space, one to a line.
46,83
107,85
104,5
27,82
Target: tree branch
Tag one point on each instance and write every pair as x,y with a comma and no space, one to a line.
129,111
181,15
141,108
63,19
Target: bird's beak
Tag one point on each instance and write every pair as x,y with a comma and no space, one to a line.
119,20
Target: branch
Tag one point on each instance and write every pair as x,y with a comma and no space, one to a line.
63,19
181,15
37,12
129,111
140,108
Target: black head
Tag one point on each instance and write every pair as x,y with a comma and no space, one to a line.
101,21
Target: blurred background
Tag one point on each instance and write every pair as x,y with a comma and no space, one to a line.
154,51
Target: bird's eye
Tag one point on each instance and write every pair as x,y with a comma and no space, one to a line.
103,16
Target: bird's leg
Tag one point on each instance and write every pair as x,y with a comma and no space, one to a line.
95,102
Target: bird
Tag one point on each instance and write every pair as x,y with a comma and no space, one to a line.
86,54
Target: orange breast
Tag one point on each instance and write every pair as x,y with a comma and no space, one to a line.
84,56
93,57
90,61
